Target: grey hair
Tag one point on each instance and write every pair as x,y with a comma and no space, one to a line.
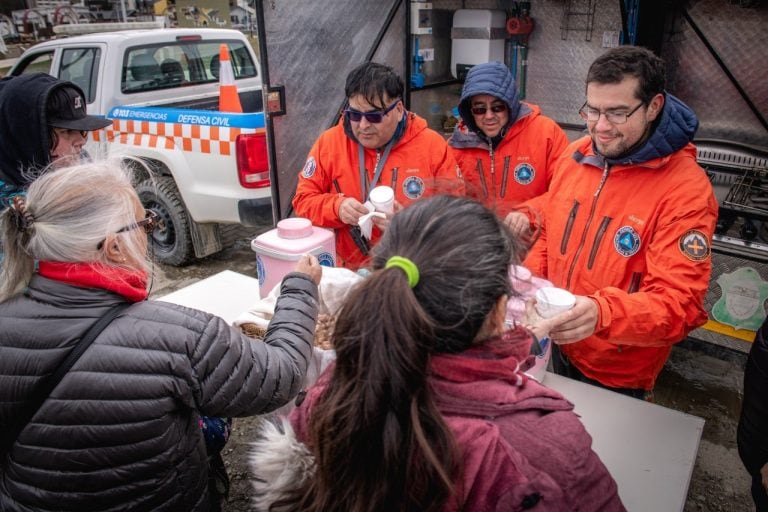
74,209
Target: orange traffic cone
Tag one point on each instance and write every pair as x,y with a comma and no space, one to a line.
229,101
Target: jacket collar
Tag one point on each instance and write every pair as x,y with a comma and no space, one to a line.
487,379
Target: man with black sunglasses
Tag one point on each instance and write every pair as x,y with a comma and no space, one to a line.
627,227
505,148
377,142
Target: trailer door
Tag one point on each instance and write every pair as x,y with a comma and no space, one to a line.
307,49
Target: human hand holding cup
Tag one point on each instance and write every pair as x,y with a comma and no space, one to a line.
542,314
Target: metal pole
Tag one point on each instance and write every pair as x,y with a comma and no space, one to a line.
261,33
122,7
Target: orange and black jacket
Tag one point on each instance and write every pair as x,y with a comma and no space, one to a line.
419,164
518,168
634,236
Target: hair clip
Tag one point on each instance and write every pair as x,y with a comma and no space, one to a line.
21,216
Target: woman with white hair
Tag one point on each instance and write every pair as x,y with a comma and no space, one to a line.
119,428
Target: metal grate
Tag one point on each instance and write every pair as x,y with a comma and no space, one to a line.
749,194
732,158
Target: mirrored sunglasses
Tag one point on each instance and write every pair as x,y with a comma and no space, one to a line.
374,117
481,110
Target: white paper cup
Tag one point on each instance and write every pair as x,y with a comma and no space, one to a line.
383,199
551,301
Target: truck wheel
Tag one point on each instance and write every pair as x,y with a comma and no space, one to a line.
171,241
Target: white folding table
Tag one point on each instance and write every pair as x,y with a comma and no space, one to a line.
649,450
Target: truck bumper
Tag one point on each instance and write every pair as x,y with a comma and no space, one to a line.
255,212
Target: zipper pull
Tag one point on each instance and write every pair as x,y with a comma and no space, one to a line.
606,170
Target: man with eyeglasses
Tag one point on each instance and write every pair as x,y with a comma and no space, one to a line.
505,148
43,121
627,226
377,142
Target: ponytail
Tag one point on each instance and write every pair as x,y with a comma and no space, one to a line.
17,264
379,441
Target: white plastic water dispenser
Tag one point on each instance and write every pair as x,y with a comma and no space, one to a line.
477,36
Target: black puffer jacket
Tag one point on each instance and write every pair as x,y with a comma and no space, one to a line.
752,434
121,430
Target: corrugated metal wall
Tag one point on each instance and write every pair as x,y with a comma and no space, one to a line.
739,35
558,62
313,45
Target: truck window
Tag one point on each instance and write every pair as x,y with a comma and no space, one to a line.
80,65
180,63
37,63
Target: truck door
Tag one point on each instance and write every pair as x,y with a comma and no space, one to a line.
80,65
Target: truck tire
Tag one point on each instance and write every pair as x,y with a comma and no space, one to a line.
171,240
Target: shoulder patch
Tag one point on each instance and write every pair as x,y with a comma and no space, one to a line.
413,187
309,168
524,173
695,245
626,241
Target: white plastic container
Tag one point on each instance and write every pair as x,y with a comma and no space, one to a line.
477,36
278,250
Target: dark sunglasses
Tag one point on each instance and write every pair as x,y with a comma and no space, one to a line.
480,111
148,223
374,117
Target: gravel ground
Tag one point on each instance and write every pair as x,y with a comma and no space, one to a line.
693,381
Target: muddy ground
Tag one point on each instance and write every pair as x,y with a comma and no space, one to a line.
697,379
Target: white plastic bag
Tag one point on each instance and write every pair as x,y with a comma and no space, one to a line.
335,284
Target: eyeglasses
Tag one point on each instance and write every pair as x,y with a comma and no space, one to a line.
593,115
374,117
481,110
148,223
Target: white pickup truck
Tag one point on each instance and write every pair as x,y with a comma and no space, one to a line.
208,169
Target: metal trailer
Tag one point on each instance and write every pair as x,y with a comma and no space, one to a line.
715,52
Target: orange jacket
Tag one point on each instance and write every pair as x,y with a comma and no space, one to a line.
639,246
518,169
418,165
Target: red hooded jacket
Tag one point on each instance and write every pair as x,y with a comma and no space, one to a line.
518,169
418,165
521,444
635,238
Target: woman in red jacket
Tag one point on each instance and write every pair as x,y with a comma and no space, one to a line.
427,407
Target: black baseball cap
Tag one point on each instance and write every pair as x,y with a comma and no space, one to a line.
66,109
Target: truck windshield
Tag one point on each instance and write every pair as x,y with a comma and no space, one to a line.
179,63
